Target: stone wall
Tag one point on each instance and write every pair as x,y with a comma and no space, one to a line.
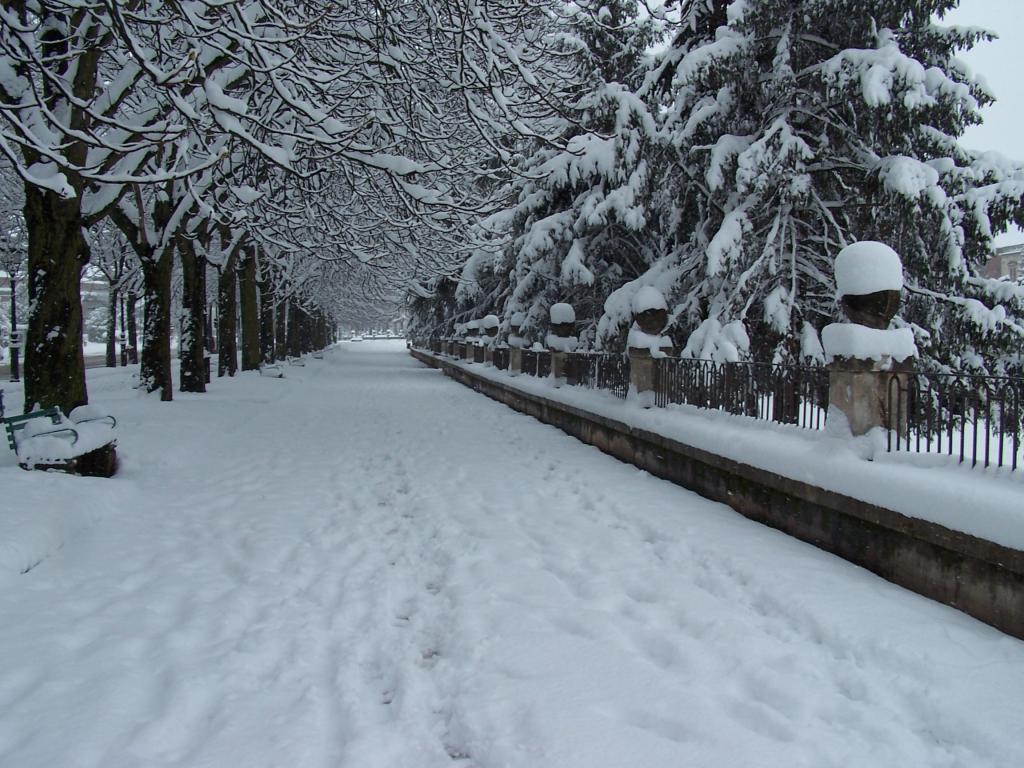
976,576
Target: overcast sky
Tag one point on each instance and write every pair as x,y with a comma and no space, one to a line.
1001,63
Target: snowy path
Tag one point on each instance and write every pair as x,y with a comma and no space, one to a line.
369,565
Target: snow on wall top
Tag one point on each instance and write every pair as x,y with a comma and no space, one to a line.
860,343
867,267
648,298
562,313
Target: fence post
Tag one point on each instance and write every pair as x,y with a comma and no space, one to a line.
490,327
515,343
867,372
646,344
562,340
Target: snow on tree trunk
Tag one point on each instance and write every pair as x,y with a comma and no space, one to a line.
193,327
155,371
54,366
131,324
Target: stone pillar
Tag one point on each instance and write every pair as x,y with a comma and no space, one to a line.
646,343
561,341
868,361
489,325
515,344
642,376
559,366
869,394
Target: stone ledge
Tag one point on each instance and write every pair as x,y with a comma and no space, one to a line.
976,576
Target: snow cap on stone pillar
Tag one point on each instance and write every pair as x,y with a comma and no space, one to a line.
869,280
515,325
563,328
650,316
490,325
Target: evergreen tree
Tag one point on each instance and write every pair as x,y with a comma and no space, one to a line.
803,125
580,224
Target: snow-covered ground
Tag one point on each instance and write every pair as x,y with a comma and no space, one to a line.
366,564
987,503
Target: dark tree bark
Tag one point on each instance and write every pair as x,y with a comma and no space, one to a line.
211,329
133,331
112,329
227,306
157,268
294,339
266,321
281,329
193,300
15,351
249,296
155,373
57,252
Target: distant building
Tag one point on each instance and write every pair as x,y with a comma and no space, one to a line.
94,294
1007,261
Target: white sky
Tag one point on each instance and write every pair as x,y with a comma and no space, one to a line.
1001,63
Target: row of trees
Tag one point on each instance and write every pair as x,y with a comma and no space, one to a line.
320,156
324,158
724,152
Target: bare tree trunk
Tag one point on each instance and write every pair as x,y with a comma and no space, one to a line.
249,296
227,306
281,328
211,327
15,351
193,300
266,321
112,329
156,348
54,365
132,327
294,341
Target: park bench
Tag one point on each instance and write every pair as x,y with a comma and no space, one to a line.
51,422
272,370
15,424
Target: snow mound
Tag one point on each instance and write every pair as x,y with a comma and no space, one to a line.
867,267
561,343
863,343
491,321
562,313
637,339
648,298
518,318
28,536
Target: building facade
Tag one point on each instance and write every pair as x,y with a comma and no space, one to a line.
1007,261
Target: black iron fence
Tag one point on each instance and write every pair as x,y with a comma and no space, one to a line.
975,418
595,370
536,362
785,394
500,357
